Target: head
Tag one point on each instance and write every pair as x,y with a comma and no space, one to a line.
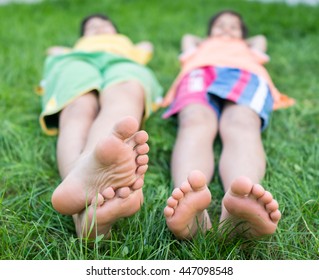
97,24
227,24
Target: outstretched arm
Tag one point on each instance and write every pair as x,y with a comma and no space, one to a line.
190,42
258,42
57,50
145,45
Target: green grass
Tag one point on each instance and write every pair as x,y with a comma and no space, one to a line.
31,229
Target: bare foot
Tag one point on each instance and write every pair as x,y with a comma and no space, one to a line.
98,218
186,208
250,203
119,160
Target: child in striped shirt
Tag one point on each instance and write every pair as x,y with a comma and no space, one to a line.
222,89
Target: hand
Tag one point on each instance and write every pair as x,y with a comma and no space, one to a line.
190,42
258,42
145,45
57,50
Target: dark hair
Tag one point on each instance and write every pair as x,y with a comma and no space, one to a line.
213,19
101,16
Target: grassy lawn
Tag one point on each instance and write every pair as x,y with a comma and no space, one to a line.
29,226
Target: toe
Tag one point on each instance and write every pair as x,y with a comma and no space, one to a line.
197,179
168,212
241,186
123,192
140,137
126,128
186,188
98,200
275,216
172,202
142,149
257,191
272,206
138,184
108,193
142,160
141,170
177,194
266,198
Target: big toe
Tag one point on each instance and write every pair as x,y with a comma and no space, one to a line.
126,128
197,179
241,186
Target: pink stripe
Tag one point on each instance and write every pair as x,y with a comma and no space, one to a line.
211,74
238,88
185,97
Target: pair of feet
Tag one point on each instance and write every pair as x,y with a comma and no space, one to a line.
106,185
249,207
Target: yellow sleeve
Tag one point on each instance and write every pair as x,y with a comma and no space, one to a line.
141,56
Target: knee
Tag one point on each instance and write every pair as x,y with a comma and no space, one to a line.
198,118
239,121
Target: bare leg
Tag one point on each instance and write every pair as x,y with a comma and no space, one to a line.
114,156
186,208
243,162
74,124
118,101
